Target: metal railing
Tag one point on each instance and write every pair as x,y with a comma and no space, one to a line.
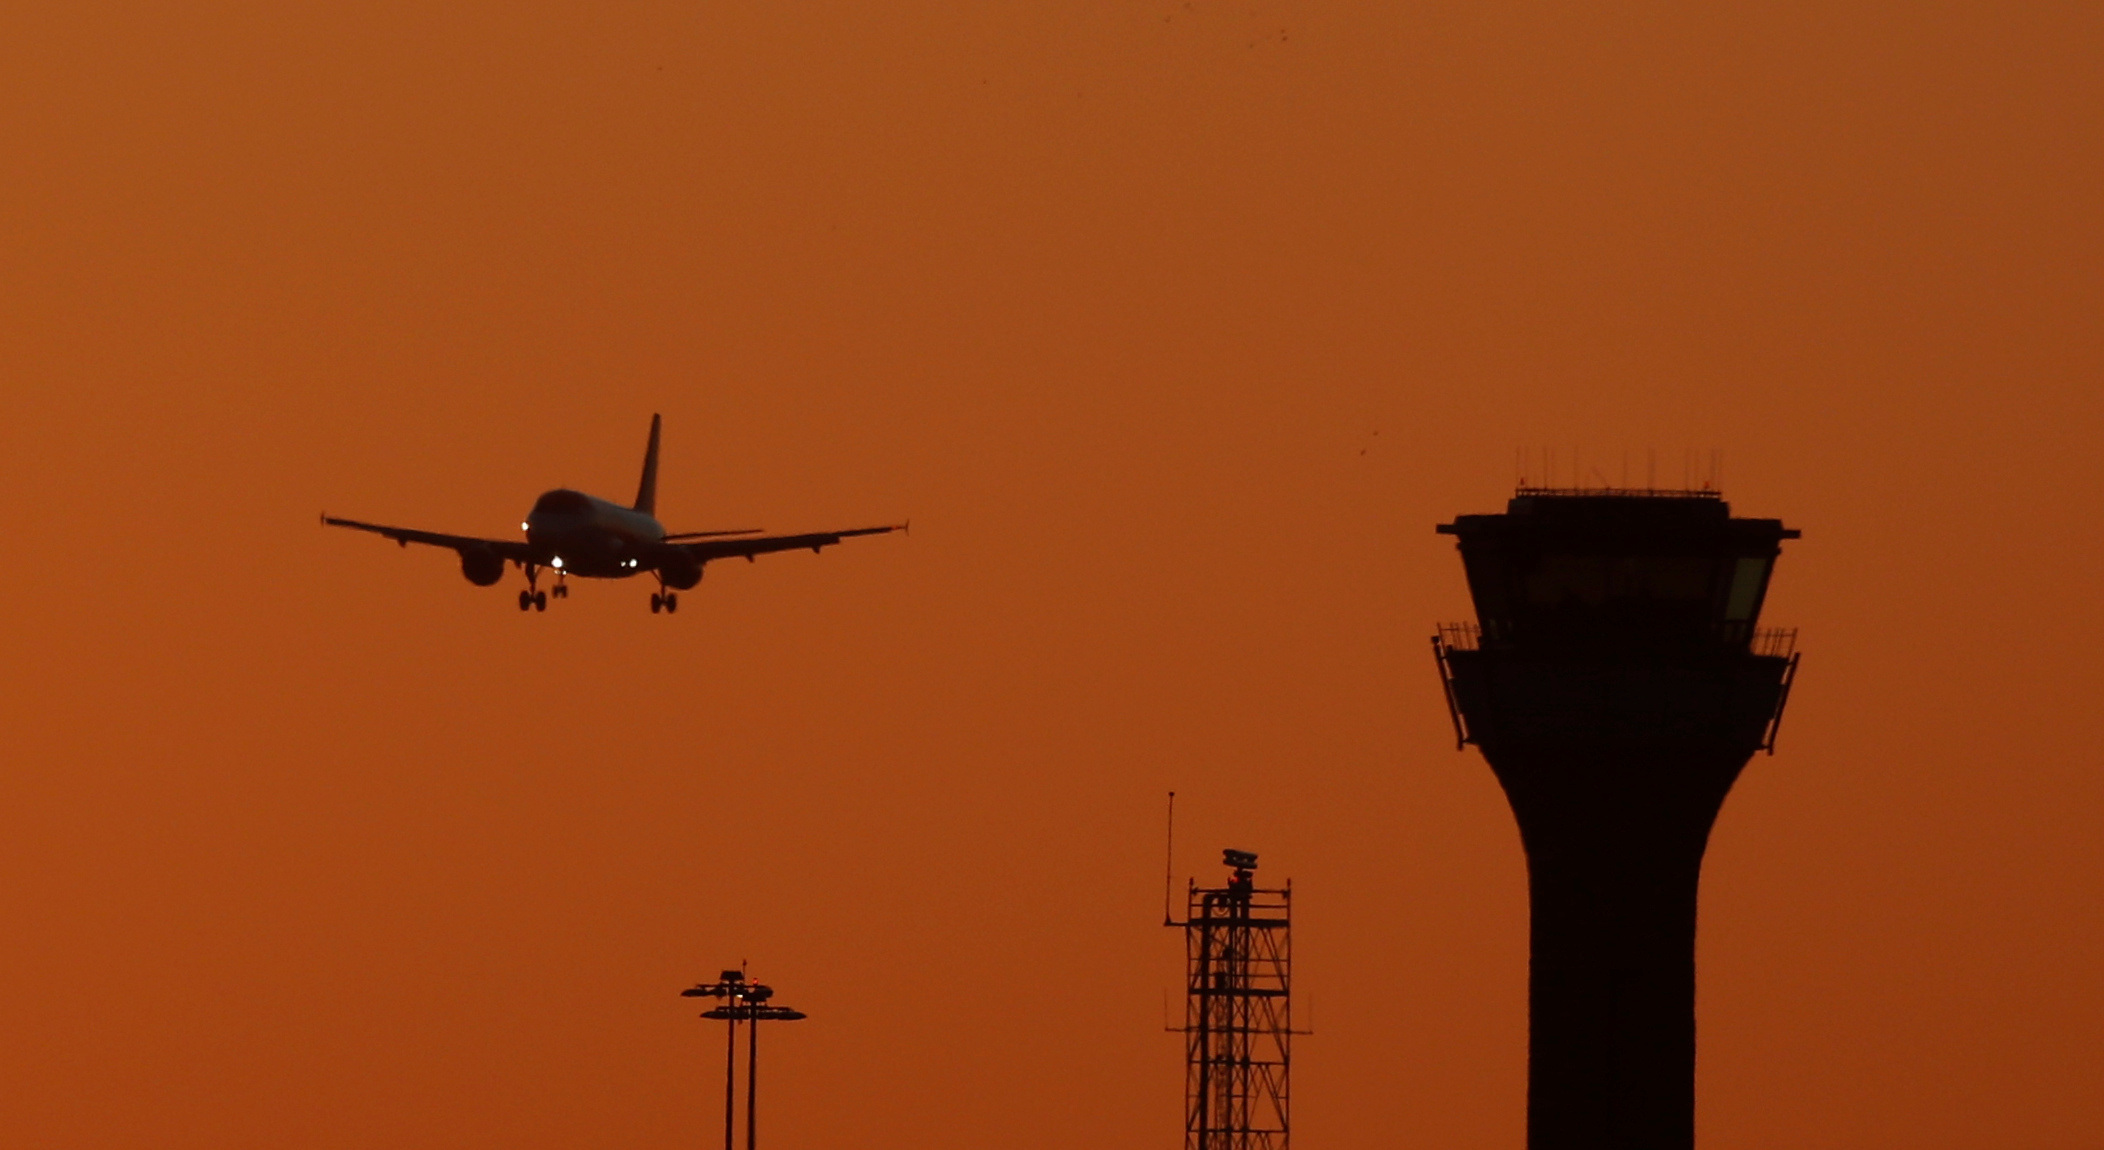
1526,489
1460,636
1774,642
1453,637
1767,642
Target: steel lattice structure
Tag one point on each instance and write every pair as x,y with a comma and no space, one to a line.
1238,1013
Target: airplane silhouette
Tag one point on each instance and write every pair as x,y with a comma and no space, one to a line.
572,533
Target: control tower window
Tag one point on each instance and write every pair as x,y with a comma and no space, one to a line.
1595,580
1746,579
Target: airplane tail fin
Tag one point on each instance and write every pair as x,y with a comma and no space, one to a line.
646,494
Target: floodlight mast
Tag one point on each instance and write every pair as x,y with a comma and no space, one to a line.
730,984
746,1002
1617,685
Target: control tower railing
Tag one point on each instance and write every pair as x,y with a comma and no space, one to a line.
1450,638
1767,642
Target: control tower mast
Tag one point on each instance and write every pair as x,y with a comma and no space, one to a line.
1617,685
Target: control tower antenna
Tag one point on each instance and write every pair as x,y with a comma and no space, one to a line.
1617,684
1169,865
1238,1012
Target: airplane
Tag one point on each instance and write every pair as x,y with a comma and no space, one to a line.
572,533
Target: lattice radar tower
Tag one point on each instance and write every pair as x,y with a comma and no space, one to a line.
1238,1012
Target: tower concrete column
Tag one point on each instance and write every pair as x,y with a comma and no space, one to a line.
1617,684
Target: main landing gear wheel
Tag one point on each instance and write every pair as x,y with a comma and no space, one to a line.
657,602
533,597
671,601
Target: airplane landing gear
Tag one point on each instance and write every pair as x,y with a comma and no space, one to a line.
533,597
667,602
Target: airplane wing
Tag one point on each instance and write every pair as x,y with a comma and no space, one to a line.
677,537
748,548
513,549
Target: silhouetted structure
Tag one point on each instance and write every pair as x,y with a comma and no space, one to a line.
1238,1012
1617,685
745,1002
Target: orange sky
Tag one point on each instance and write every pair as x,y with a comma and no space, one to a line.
310,843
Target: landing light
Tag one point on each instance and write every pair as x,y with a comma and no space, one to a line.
557,563
525,526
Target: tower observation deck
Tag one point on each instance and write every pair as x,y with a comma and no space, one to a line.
1617,683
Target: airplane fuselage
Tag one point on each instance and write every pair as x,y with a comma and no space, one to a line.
589,537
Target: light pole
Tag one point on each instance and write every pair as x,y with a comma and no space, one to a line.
744,1002
731,985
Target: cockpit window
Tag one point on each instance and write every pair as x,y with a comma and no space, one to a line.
563,502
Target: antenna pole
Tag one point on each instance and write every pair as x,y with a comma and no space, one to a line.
1169,864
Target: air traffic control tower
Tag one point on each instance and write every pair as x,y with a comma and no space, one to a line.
1617,683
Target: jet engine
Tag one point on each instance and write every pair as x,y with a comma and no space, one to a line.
678,569
481,565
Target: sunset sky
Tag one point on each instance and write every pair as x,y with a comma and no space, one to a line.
1174,327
